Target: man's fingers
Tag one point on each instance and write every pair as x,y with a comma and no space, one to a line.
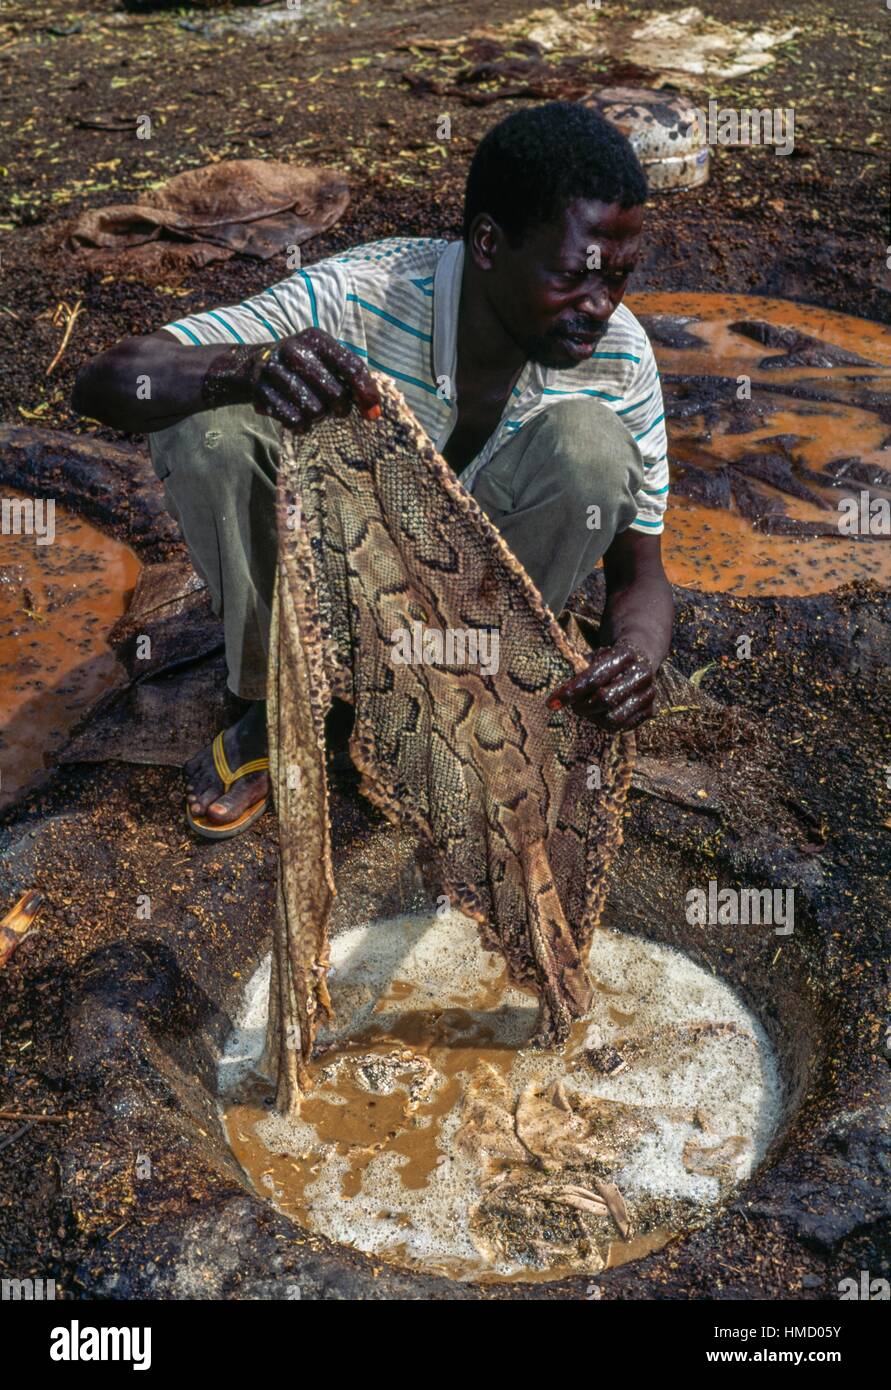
269,402
609,696
616,692
605,666
307,366
629,682
294,388
319,375
631,713
349,368
625,716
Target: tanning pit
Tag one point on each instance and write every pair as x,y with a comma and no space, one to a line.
436,1139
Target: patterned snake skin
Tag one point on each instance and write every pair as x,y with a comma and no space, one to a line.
376,534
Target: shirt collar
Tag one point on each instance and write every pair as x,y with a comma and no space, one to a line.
446,297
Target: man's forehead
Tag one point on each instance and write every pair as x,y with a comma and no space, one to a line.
585,221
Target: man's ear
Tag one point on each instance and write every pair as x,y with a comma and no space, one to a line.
485,240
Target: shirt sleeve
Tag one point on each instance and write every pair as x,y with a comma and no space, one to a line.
312,298
645,418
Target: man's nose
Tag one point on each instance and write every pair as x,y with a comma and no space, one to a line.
595,303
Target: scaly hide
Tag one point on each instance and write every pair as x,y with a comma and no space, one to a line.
376,535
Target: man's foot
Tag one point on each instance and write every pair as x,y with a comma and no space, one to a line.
244,742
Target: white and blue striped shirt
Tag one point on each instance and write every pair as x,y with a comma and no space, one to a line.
395,304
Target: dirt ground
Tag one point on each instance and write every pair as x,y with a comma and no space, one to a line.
330,89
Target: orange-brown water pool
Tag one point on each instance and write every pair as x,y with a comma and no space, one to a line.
715,549
57,603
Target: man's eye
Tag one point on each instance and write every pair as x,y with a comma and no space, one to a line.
609,277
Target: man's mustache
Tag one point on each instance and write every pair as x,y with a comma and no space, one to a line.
584,330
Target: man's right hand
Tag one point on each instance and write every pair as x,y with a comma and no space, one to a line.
296,381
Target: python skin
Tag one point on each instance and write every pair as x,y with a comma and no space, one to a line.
519,806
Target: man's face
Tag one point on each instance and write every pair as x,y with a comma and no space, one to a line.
555,292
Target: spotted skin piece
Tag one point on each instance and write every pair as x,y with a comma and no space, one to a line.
377,535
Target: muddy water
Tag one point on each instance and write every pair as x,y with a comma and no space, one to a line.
408,1147
57,602
716,549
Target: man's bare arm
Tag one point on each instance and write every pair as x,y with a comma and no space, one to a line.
617,690
639,603
146,384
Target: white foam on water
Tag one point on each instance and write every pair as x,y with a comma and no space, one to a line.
438,1211
244,1044
700,1053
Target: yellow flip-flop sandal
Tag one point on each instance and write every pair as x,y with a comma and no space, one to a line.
210,830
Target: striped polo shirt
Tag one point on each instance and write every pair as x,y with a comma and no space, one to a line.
395,304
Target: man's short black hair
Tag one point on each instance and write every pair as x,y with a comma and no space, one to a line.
528,167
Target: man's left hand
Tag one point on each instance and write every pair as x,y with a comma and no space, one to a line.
616,692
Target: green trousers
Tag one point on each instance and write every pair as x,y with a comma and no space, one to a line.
558,492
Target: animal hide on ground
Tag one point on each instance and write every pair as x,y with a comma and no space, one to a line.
383,555
248,207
